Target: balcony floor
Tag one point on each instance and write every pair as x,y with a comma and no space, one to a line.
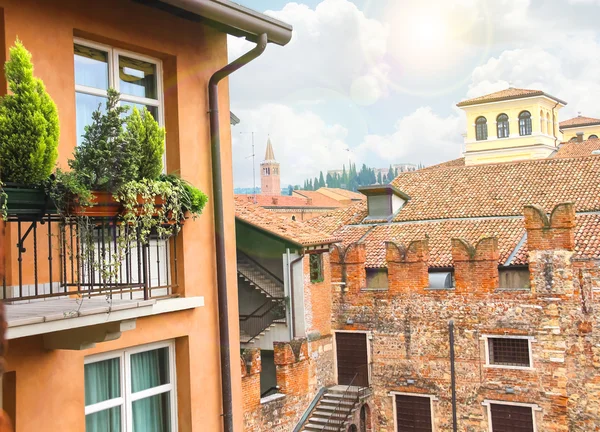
39,317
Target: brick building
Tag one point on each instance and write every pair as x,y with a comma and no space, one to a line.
473,244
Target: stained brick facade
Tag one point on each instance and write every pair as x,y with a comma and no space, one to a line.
409,348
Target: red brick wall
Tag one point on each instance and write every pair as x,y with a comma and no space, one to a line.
317,299
476,267
407,267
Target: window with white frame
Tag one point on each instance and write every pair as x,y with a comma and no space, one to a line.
131,390
100,67
511,416
413,412
508,351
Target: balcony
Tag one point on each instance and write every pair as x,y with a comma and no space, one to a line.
63,274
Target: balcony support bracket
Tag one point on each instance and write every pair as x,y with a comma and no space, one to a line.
86,337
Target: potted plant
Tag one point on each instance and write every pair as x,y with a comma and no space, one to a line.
29,132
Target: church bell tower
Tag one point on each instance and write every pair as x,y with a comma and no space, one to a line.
269,173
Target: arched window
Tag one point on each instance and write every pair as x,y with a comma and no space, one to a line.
573,139
481,129
542,122
593,137
365,419
525,123
549,125
293,217
502,126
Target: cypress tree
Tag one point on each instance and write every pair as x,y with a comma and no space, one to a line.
29,127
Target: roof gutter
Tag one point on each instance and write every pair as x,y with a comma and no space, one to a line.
217,185
239,20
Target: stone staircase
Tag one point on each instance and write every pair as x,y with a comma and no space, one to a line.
335,400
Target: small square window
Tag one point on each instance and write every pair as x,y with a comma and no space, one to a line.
316,267
509,352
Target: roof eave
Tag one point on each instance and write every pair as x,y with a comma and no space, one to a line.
507,98
231,18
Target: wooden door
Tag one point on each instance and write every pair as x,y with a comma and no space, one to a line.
352,358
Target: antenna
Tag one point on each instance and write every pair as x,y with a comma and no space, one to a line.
253,168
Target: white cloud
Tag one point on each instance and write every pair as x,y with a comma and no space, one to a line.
303,144
332,47
422,136
567,71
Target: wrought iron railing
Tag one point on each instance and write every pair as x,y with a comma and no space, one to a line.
261,277
349,399
253,324
55,257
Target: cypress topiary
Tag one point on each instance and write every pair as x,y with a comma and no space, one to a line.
144,133
106,160
29,127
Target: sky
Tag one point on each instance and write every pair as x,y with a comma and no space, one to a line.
377,81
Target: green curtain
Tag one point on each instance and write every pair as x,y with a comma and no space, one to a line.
150,369
102,382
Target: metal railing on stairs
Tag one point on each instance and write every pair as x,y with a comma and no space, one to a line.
253,324
337,418
261,277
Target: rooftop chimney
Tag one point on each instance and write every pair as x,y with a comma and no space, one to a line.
579,136
309,201
275,200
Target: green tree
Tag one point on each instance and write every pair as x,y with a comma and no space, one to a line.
316,184
290,190
391,174
321,179
310,186
379,178
145,135
106,160
344,180
29,126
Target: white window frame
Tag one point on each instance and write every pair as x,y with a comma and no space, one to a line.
113,73
127,397
488,404
431,397
487,337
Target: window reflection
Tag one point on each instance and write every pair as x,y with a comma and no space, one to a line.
91,67
137,78
86,105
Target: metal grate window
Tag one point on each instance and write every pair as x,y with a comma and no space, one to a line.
509,351
511,418
413,413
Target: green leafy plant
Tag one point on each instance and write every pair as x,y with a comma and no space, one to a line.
105,160
145,136
29,127
192,199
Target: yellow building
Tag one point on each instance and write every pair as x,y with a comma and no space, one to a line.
512,124
587,126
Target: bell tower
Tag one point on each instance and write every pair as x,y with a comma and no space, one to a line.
269,173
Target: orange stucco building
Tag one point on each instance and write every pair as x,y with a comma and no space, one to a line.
51,341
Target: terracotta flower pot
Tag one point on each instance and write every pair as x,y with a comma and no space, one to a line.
104,205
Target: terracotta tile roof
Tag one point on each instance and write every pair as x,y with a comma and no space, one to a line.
293,231
508,94
333,220
449,164
578,122
287,201
318,199
500,189
574,148
346,193
508,230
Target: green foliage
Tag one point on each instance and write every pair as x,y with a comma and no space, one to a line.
29,127
66,189
192,199
106,160
148,138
